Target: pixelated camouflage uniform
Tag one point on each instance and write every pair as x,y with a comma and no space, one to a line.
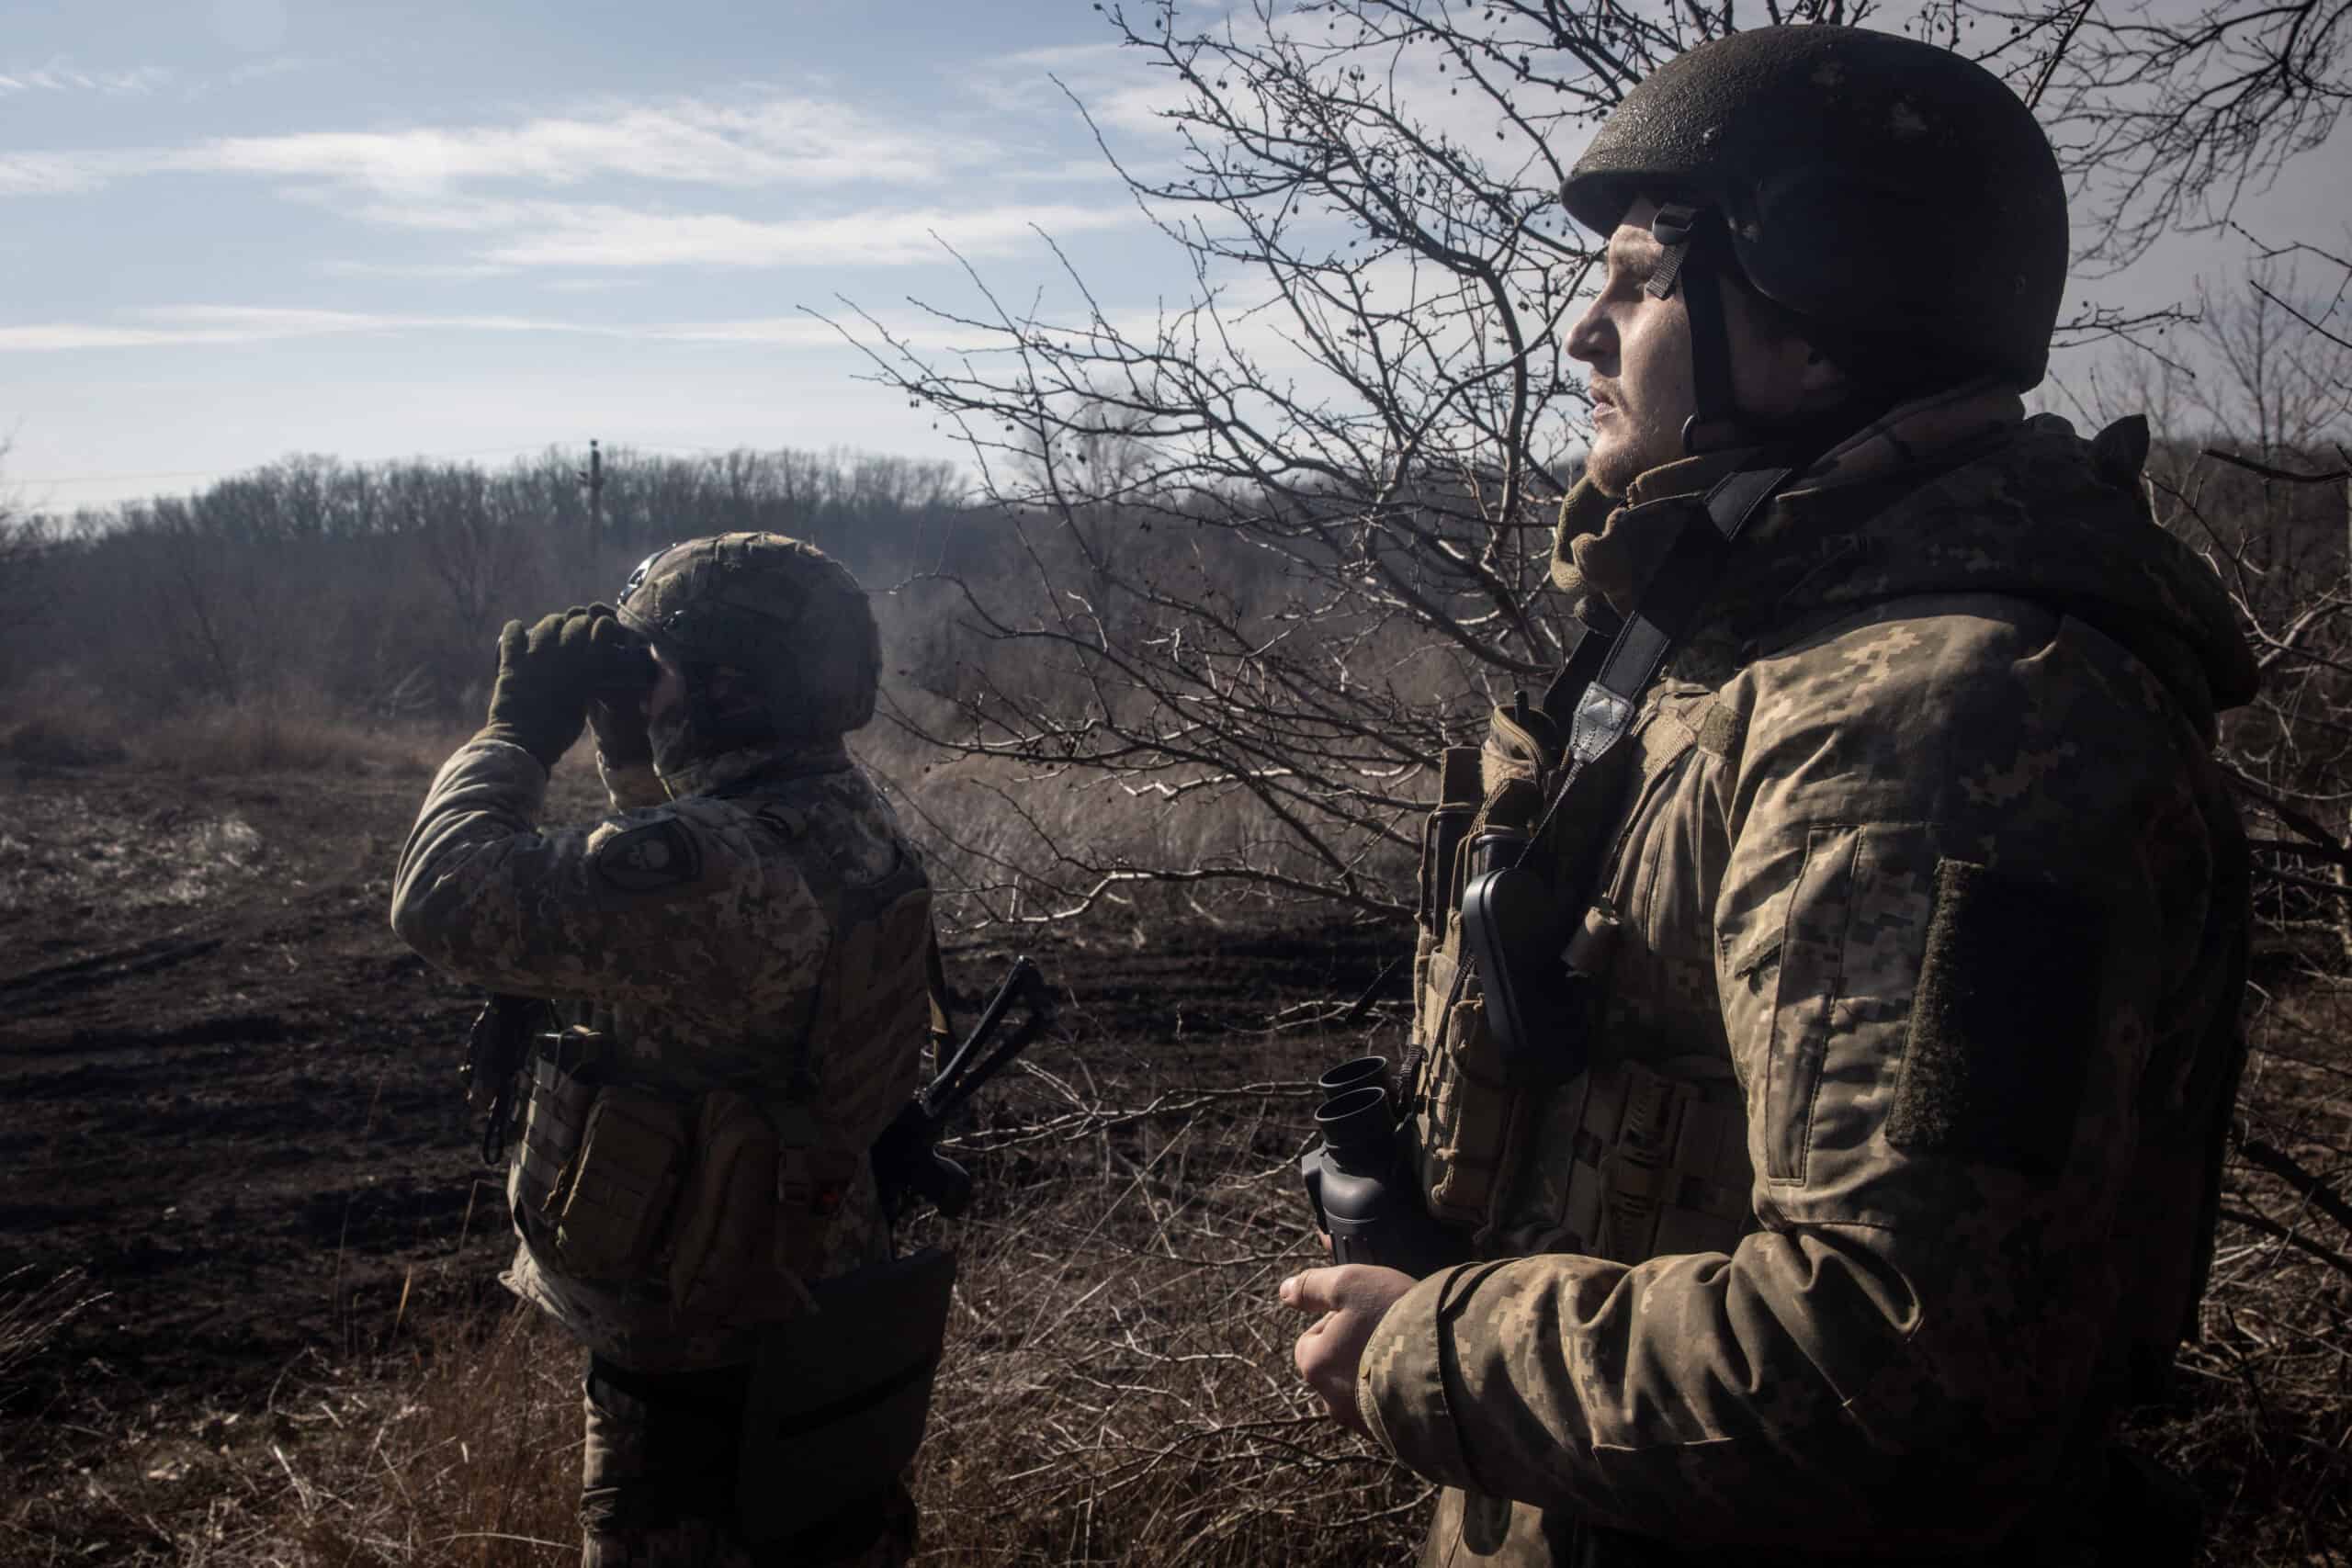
1931,894
690,932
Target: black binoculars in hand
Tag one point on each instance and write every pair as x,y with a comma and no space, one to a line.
1362,1188
628,669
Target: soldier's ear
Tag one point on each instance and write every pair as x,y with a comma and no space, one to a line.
1778,369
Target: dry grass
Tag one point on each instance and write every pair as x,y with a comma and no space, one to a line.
67,729
1120,1389
2263,1417
59,849
1010,843
31,1312
462,1450
1117,1386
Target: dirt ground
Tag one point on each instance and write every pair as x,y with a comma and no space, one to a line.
233,1128
233,1102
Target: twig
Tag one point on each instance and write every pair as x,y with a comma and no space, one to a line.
2271,1227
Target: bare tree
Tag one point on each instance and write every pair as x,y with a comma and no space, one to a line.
27,541
21,538
2251,464
1321,553
379,587
2168,121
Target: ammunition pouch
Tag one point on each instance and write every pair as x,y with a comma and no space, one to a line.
729,1207
553,1125
1659,1169
1511,962
612,1201
1465,1106
841,1394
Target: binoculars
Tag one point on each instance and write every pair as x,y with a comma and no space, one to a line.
1359,1184
628,672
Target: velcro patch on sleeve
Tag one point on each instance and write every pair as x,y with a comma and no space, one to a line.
1720,730
2002,1023
650,858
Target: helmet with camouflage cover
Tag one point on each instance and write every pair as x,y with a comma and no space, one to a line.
1898,198
786,618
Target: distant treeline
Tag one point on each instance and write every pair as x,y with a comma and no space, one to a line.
379,588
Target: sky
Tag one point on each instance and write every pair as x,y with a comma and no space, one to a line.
235,230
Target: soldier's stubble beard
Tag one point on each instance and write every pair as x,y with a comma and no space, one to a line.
1628,442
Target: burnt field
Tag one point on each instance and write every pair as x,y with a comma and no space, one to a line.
248,1308
245,1210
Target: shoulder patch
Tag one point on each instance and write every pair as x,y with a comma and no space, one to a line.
1720,730
2003,1024
648,858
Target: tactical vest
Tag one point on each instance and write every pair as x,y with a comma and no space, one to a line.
725,1197
1644,1153
1651,1138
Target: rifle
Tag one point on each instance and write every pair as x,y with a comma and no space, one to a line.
906,1163
497,1049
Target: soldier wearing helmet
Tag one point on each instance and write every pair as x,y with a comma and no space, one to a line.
737,958
1833,1137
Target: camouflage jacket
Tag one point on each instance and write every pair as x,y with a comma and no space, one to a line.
691,933
1926,871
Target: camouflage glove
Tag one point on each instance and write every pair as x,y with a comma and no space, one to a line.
547,674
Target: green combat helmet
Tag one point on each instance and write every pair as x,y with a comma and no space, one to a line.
1899,198
777,640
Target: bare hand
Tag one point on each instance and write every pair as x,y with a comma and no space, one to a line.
1353,1298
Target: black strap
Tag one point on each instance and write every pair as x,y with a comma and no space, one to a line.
1601,710
1692,238
1588,647
713,1391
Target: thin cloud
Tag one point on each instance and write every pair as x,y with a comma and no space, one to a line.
187,325
201,325
773,141
1119,88
59,77
552,235
784,332
55,174
1129,92
442,272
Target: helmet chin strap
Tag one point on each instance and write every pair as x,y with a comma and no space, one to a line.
1692,238
1696,257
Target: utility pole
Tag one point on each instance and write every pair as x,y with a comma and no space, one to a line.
592,478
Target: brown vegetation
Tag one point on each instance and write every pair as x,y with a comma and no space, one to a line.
304,1360
257,736
1117,1386
1186,658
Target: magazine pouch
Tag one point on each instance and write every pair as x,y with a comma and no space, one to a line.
614,1199
553,1128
